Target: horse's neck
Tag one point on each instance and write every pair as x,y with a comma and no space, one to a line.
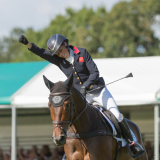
86,121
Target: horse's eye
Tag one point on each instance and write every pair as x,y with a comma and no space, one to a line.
67,105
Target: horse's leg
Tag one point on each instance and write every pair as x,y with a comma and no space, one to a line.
137,133
73,149
87,157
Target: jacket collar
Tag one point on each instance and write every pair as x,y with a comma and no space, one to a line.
75,49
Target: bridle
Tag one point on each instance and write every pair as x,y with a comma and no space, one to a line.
72,107
72,111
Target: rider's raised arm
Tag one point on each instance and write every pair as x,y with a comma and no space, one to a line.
29,45
43,53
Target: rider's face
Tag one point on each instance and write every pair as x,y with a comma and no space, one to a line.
63,51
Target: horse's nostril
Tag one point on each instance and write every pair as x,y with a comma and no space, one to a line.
62,138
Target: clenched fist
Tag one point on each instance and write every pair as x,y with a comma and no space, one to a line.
23,40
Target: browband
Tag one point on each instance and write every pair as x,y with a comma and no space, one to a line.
60,93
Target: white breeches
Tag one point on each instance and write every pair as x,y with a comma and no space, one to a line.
106,100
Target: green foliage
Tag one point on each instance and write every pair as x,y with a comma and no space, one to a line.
125,31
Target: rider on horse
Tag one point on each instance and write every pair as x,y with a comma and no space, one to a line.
78,61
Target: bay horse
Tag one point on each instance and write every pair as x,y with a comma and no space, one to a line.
72,115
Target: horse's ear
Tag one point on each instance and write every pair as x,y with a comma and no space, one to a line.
48,83
69,81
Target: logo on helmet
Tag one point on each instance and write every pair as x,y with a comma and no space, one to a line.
52,48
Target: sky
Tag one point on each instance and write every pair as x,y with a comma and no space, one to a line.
38,13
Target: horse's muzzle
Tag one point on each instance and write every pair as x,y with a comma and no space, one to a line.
60,141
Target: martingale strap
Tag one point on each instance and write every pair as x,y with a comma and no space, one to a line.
88,134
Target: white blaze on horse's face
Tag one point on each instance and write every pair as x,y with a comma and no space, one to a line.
60,115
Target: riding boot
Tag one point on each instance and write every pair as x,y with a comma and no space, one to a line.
136,148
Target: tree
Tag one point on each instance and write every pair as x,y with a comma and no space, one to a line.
9,46
125,31
128,30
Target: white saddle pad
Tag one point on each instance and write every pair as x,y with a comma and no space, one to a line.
124,142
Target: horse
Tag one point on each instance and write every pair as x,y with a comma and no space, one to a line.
78,126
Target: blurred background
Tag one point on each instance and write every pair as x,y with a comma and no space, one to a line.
114,30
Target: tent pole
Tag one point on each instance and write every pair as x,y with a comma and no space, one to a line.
156,132
14,129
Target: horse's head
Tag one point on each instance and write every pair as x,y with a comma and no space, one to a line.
61,108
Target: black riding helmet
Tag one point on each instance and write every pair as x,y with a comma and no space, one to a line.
55,42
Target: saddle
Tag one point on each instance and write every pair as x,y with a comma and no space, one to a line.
110,116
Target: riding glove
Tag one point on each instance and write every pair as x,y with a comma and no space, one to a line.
23,40
83,91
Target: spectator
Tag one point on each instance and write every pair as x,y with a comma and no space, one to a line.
6,157
27,154
1,154
42,155
148,146
56,154
33,156
20,154
150,154
149,150
61,151
47,151
56,158
35,150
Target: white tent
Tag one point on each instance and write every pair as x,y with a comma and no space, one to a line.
140,90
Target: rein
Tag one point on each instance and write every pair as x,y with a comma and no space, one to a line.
79,115
70,122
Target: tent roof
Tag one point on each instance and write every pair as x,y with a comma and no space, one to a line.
141,89
15,75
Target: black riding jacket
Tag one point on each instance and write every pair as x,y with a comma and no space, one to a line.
85,71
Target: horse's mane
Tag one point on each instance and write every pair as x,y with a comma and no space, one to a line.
77,93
